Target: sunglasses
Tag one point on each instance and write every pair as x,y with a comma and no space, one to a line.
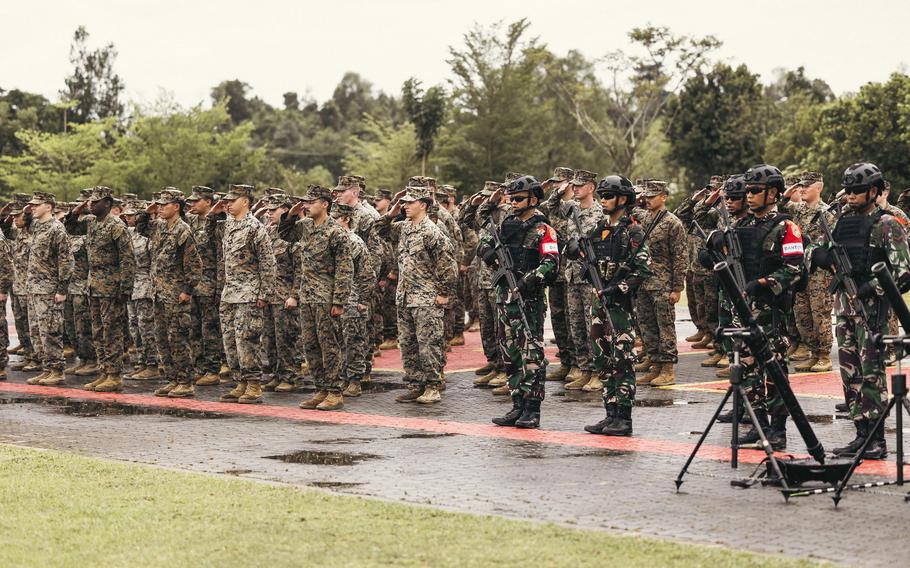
859,190
756,189
518,198
733,197
608,196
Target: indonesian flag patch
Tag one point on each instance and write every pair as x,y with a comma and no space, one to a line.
548,244
793,240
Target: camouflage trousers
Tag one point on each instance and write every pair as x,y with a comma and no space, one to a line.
692,299
356,346
172,336
389,312
761,392
657,318
69,323
489,321
524,359
241,328
4,337
458,307
142,312
469,285
613,346
20,319
82,319
322,342
45,320
109,332
422,344
578,314
205,335
704,288
279,341
813,313
556,298
862,366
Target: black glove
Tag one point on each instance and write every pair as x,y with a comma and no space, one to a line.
706,259
527,286
715,241
572,252
865,291
752,287
488,255
903,283
822,258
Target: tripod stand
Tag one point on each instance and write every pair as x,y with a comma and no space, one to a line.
736,390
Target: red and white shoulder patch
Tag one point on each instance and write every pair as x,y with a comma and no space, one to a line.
548,244
793,240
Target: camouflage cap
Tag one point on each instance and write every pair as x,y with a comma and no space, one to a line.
341,210
276,201
84,194
348,182
270,191
652,187
20,200
201,192
239,190
422,181
169,195
117,202
562,174
129,197
582,177
415,193
383,193
512,176
809,177
716,181
100,192
315,192
133,207
42,197
489,188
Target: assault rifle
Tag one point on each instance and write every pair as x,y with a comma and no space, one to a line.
734,251
842,268
589,259
761,351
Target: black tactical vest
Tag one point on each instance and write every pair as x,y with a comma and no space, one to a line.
756,264
513,233
853,233
610,244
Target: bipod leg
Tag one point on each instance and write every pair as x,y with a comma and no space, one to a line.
766,446
734,442
701,440
858,458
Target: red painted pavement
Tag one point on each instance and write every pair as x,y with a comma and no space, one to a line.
575,439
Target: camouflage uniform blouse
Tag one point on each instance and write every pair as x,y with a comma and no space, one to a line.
326,270
425,267
175,265
142,284
249,263
50,259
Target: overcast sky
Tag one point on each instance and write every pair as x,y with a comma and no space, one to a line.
186,47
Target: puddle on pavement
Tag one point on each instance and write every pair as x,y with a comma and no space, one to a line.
411,435
315,457
330,441
598,454
93,408
333,484
381,386
820,418
237,471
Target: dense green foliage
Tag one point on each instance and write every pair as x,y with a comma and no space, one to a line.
661,108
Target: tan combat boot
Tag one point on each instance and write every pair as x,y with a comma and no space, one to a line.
388,344
823,365
559,373
182,390
333,401
71,370
500,379
430,395
723,372
695,337
270,386
137,368
723,363
652,374
353,389
316,400
209,379
485,380
37,378
368,378
113,383
284,386
68,351
803,365
457,340
88,369
2,374
14,350
706,342
53,379
595,384
225,373
501,390
573,375
712,360
801,353
149,373
235,393
31,366
666,377
304,368
166,389
645,365
252,394
584,377
412,394
98,380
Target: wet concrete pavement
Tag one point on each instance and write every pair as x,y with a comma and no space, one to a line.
449,456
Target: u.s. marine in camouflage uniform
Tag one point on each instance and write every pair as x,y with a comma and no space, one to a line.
50,266
425,271
622,262
323,284
868,235
6,287
533,247
141,306
249,275
16,230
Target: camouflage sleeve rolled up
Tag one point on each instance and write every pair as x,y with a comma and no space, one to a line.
344,267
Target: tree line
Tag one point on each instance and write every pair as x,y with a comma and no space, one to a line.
662,107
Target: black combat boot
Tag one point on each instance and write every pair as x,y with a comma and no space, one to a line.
778,436
877,448
751,437
622,424
842,407
530,415
727,417
848,451
518,405
611,414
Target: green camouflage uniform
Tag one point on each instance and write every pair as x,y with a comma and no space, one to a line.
356,309
205,331
21,242
142,311
282,325
6,287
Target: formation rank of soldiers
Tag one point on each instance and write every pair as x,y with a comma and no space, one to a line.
200,288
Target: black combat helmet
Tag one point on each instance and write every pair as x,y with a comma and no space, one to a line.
765,174
735,187
863,174
615,184
526,183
